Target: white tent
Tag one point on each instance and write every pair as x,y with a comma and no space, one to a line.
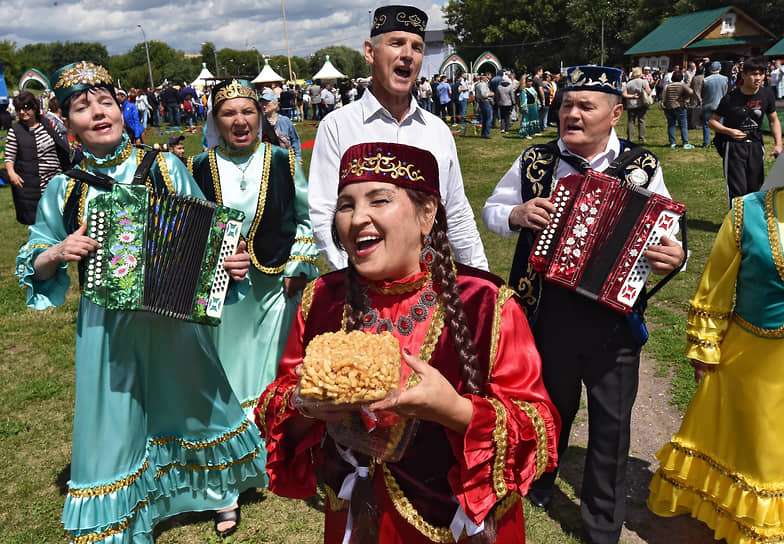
328,71
267,75
201,81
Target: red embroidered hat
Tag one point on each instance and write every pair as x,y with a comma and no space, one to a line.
399,164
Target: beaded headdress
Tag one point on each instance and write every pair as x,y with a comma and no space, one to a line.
400,18
399,164
77,77
235,88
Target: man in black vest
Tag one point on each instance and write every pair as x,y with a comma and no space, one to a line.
579,339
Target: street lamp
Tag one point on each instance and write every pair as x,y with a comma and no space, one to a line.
147,52
214,52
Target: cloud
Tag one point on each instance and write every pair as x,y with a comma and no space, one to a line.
238,24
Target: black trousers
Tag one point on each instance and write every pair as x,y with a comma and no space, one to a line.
744,168
582,342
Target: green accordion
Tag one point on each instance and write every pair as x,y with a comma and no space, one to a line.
160,253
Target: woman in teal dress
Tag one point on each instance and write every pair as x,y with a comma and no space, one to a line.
157,430
266,182
529,108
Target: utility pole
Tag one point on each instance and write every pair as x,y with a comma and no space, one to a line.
147,52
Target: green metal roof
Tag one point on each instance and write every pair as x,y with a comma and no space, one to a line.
777,50
729,41
674,33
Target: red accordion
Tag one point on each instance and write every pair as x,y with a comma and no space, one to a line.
596,240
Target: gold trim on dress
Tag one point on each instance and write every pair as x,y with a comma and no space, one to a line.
758,331
240,152
500,438
702,342
307,299
292,163
711,313
415,519
737,218
221,466
745,529
203,443
301,258
305,240
106,533
285,404
504,294
402,288
773,230
119,159
69,187
259,212
97,491
334,503
83,201
189,164
262,416
161,160
215,176
429,343
541,434
766,491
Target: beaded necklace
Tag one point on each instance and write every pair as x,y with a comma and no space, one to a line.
404,324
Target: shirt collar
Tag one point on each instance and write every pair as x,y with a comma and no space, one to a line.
372,108
611,151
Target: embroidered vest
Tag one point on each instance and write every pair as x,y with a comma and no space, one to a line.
538,165
421,476
274,227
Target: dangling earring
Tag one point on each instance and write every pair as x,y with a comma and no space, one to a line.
428,254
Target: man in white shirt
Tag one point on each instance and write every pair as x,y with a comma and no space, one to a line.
579,339
389,113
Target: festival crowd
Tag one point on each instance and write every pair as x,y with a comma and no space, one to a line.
173,415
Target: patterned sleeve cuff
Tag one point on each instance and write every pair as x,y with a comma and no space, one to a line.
46,293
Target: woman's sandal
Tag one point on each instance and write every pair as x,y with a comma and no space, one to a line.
228,515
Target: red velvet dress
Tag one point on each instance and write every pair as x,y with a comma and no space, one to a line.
510,440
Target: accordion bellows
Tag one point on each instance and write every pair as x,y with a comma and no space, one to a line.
161,253
595,243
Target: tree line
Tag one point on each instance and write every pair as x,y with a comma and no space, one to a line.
527,33
168,64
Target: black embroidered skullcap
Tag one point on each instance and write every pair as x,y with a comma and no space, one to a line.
403,18
593,78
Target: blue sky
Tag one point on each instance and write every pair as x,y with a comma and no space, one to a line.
240,24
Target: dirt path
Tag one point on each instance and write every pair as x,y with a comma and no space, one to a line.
654,421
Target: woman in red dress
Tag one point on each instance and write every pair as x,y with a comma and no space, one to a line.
486,428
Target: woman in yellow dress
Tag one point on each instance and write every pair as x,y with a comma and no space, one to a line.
725,465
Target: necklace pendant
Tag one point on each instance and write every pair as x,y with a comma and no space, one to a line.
243,184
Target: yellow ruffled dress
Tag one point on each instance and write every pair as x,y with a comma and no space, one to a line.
725,466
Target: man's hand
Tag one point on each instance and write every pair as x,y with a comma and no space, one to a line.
534,214
776,151
666,257
736,134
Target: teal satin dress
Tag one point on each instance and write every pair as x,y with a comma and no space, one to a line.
157,429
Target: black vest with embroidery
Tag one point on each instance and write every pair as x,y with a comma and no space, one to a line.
538,165
271,236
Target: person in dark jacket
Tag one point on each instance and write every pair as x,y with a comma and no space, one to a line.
171,104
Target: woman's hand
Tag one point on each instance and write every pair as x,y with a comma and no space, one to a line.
700,369
15,179
432,399
237,265
75,247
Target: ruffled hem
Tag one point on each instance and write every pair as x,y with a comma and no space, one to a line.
200,472
734,506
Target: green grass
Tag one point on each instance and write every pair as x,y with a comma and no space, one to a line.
37,371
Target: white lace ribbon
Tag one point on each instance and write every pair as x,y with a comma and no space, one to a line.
347,488
461,521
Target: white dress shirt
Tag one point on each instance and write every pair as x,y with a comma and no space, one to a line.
366,120
508,192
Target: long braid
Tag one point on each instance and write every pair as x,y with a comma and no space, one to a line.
354,300
456,319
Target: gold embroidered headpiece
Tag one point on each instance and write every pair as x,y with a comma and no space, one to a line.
399,164
78,76
593,78
234,88
402,18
